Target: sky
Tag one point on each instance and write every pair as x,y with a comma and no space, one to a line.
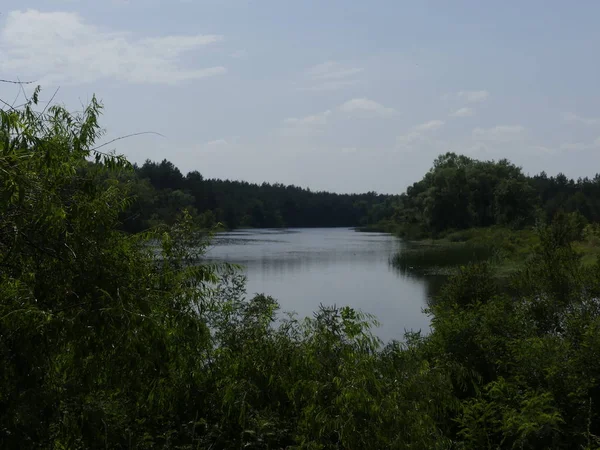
346,96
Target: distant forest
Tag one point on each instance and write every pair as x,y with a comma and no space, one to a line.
457,193
162,192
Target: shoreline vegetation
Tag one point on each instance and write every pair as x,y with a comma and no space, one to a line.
114,337
466,210
507,250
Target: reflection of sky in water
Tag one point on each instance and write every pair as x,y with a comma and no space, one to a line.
303,268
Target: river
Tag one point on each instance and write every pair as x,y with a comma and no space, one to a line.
302,268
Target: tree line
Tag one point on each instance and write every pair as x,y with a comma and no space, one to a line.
459,192
162,192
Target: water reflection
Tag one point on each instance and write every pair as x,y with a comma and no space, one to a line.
303,268
434,263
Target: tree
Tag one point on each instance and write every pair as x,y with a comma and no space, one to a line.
162,176
513,200
92,321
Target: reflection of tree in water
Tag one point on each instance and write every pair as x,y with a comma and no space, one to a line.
433,282
291,262
290,251
433,285
432,265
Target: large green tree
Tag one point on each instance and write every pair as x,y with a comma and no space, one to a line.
99,337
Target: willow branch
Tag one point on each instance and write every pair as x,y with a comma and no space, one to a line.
125,137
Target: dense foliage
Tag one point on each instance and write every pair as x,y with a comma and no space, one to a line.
457,193
113,340
162,192
460,193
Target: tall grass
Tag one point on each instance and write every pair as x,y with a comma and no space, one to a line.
437,259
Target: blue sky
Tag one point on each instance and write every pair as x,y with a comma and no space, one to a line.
340,95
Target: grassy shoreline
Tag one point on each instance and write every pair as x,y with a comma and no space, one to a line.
507,250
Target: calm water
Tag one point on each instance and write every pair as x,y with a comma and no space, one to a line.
304,267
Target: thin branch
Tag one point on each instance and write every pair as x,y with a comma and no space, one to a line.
17,97
125,137
71,306
48,104
41,249
14,311
23,90
7,104
16,82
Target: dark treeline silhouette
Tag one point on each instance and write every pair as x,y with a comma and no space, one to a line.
459,192
161,192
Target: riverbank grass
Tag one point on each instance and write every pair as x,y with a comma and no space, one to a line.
507,250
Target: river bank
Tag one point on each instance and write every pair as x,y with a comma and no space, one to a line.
507,250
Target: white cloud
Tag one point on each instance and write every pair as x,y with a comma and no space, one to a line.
330,75
330,85
409,138
501,133
216,143
539,149
419,135
463,112
580,146
365,105
305,126
308,125
571,117
504,141
507,149
62,48
314,120
473,96
431,125
332,70
240,54
468,96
